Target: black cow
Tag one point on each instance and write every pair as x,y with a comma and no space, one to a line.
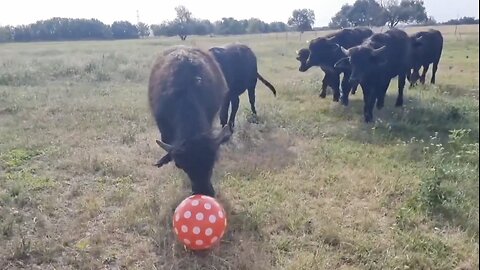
325,52
186,90
427,49
239,66
374,63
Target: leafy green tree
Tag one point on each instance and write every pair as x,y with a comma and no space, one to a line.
341,19
6,34
367,13
302,19
124,30
407,11
143,29
183,22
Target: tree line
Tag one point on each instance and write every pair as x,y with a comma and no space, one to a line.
57,29
360,13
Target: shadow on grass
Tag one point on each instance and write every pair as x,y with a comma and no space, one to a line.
418,119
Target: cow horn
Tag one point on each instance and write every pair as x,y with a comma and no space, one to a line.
345,51
165,146
297,51
419,39
379,50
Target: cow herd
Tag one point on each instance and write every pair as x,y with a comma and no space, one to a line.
188,86
372,60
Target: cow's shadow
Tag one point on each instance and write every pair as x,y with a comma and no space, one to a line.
418,118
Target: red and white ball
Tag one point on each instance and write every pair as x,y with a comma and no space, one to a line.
199,222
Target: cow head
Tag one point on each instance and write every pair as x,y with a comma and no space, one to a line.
196,156
219,54
302,56
362,61
322,51
417,50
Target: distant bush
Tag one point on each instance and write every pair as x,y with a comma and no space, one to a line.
463,20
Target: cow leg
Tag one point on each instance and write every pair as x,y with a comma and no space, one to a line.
251,98
235,102
424,74
224,111
354,88
414,76
401,87
345,88
368,104
434,72
325,83
381,95
335,84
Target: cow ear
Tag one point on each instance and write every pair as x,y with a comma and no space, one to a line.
343,63
224,135
215,51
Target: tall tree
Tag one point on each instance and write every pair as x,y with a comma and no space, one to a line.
183,22
124,30
143,29
367,13
407,11
302,19
341,19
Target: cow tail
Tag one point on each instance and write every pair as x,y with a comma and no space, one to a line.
269,85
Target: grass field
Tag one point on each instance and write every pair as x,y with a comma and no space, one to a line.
310,186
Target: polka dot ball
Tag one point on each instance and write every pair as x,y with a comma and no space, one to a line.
199,222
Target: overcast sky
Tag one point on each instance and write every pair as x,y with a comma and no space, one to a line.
14,12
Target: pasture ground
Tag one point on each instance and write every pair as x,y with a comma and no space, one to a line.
309,186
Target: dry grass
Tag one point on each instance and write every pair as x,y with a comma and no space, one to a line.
310,186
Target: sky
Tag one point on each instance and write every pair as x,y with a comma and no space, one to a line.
15,12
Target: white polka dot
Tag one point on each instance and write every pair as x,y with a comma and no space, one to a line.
199,216
184,228
214,239
196,230
208,206
208,231
199,242
177,217
187,214
220,214
195,202
186,241
176,231
212,219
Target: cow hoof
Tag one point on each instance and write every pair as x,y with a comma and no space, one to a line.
323,95
253,119
368,118
336,99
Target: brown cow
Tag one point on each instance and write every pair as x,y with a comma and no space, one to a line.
186,90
